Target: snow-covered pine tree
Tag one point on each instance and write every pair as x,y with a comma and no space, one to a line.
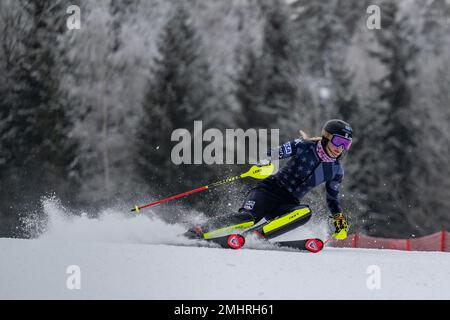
432,95
8,23
281,91
178,93
433,16
345,104
268,89
395,196
105,68
343,97
119,11
249,92
319,26
38,155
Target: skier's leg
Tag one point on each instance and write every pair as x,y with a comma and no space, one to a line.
293,218
258,203
220,226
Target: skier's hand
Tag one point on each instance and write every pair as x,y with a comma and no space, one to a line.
341,225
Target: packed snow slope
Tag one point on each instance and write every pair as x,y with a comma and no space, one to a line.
144,258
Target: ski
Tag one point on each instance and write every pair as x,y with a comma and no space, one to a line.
230,241
237,241
312,245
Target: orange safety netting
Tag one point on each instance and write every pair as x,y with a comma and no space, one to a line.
439,241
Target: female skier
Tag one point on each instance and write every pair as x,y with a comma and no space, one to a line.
312,161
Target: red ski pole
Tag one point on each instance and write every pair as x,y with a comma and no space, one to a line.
257,172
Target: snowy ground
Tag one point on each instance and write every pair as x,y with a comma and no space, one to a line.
123,259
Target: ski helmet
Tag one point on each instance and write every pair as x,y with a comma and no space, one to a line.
339,132
336,126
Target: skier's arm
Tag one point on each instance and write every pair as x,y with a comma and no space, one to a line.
339,220
332,190
284,151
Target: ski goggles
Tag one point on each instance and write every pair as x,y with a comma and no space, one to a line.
340,141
